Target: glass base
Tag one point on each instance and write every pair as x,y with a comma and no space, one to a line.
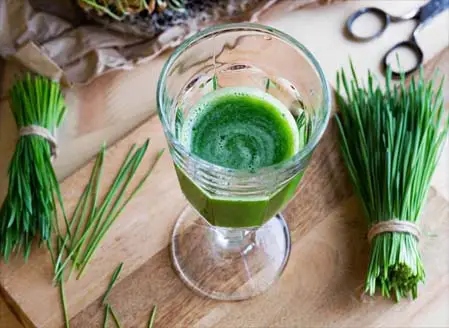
229,264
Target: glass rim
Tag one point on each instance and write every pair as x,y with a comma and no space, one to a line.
287,164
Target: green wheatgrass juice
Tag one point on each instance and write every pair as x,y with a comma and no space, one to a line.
239,128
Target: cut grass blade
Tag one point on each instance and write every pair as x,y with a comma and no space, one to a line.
92,220
152,317
60,249
113,216
107,312
95,216
115,317
111,284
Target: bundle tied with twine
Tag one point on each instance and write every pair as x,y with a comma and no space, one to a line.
391,140
29,209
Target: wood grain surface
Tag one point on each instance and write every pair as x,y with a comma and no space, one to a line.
320,287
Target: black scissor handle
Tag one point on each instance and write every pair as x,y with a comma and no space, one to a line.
376,11
414,47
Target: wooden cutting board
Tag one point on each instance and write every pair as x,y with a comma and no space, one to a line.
321,285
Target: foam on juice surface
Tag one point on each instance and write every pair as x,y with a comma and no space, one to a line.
243,128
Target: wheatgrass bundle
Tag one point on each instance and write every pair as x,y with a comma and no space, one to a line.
391,140
28,210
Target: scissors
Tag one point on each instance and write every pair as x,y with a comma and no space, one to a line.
422,15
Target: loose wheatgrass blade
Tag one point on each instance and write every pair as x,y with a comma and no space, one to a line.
112,282
97,213
107,312
109,308
95,216
89,202
28,210
80,209
115,317
93,182
118,184
152,317
112,216
117,191
60,249
391,140
96,172
102,216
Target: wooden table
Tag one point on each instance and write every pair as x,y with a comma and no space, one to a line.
109,108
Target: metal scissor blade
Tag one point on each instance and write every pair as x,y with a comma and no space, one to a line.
431,9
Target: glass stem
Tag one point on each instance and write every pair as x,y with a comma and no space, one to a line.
229,241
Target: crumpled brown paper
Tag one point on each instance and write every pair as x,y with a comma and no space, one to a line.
54,38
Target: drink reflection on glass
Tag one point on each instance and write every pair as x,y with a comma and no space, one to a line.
243,107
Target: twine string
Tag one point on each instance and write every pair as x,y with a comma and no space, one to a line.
36,130
394,225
